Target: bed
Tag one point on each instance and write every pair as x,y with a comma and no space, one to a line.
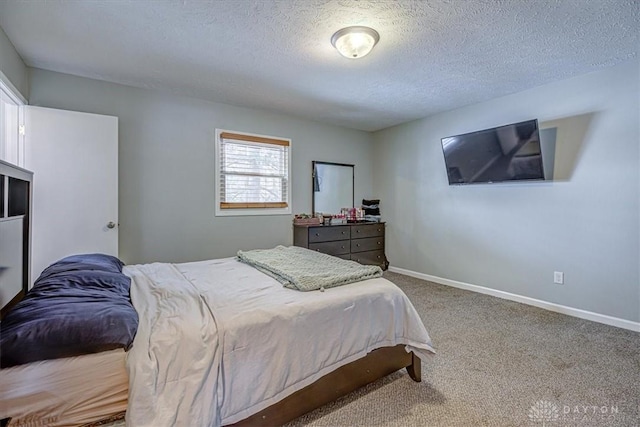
220,342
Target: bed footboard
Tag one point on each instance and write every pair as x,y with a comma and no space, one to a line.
375,365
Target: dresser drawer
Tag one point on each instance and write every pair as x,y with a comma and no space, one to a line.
328,234
368,244
367,230
370,258
338,247
360,242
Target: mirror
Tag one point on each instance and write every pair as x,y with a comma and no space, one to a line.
332,185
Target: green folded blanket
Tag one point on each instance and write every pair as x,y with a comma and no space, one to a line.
306,270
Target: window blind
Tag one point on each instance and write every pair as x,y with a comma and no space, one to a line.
254,172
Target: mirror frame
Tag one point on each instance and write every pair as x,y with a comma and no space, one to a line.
313,176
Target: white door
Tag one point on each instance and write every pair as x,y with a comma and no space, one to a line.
74,160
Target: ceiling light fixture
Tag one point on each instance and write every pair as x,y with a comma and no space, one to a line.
355,42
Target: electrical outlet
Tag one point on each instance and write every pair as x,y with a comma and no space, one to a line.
558,277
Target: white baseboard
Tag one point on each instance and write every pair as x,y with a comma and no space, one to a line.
576,312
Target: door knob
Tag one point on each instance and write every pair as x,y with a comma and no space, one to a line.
111,224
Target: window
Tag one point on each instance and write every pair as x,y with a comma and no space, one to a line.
252,174
11,141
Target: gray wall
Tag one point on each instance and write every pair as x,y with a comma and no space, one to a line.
511,237
166,166
12,65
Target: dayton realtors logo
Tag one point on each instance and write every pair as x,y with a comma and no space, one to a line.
546,412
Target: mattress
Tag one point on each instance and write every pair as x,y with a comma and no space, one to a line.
68,391
219,340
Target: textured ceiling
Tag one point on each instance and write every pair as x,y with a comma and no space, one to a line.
433,55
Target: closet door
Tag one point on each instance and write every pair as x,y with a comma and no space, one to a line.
74,159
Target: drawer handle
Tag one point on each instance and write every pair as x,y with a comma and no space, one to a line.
342,246
357,259
317,234
343,232
379,243
357,231
379,229
379,257
358,244
317,250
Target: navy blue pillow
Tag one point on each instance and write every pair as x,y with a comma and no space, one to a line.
101,262
69,314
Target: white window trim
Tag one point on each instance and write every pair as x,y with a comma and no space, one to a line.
11,90
14,94
244,211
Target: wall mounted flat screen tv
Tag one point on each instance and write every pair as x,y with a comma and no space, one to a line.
502,154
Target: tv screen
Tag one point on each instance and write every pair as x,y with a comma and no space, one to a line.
505,153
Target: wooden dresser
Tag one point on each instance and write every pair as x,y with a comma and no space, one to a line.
361,242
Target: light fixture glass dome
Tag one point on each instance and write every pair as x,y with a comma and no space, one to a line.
355,42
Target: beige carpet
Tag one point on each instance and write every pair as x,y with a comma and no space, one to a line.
500,363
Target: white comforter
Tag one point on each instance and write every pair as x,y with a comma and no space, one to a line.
219,341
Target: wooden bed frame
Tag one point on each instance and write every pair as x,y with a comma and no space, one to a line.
377,364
